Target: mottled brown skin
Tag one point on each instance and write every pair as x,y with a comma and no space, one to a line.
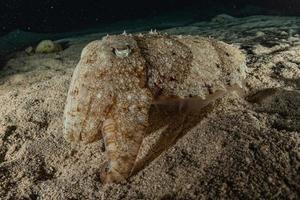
119,77
116,92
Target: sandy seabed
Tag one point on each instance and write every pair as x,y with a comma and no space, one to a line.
240,148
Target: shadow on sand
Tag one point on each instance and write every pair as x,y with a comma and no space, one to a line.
178,124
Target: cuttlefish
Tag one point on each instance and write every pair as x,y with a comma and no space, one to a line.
119,77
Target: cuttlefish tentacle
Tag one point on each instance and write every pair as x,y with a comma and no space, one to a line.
123,132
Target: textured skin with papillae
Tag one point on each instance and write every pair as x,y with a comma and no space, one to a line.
119,77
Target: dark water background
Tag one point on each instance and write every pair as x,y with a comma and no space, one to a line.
54,16
26,22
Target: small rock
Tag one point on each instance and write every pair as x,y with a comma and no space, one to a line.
48,46
188,186
248,161
29,50
270,179
260,34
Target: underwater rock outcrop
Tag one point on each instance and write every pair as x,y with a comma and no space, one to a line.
119,77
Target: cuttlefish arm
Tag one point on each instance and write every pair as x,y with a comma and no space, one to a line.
123,132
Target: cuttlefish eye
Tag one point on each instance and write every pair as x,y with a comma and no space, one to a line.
122,52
